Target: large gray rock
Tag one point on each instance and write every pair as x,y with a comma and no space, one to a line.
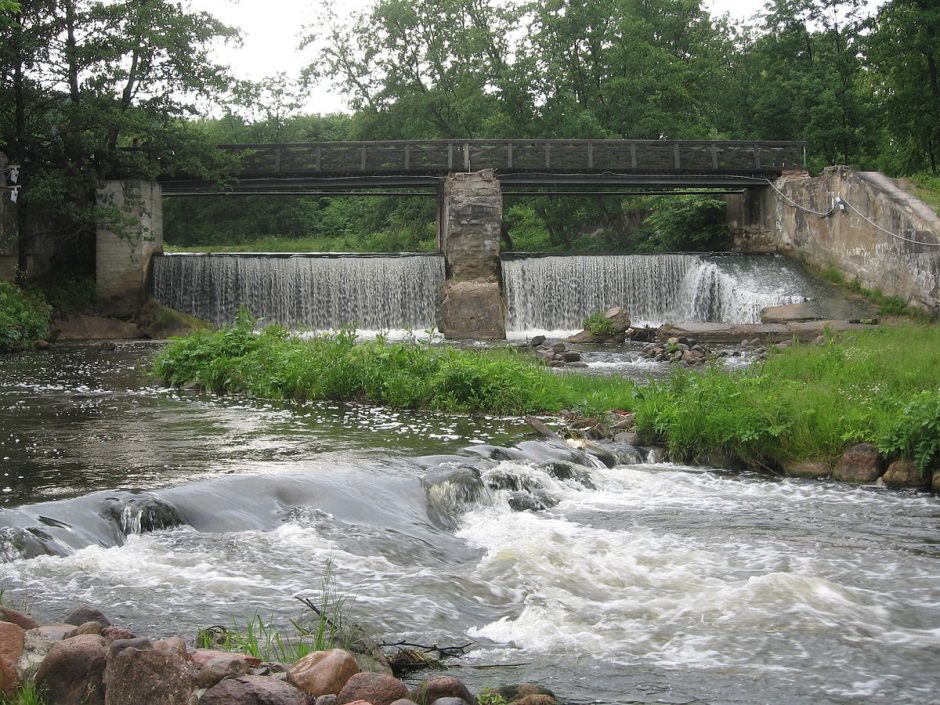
860,463
73,671
374,688
253,690
136,676
12,641
323,672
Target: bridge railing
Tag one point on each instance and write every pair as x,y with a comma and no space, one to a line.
553,156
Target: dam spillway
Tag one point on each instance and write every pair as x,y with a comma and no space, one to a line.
318,292
542,292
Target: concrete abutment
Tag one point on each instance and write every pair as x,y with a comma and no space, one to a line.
470,214
127,238
861,224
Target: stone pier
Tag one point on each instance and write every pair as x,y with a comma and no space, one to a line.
128,236
469,220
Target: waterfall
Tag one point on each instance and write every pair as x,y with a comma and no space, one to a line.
558,293
304,291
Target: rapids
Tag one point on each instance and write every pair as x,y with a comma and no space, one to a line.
641,582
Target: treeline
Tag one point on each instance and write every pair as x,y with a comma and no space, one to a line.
82,78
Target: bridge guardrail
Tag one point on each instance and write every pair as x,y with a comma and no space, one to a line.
555,156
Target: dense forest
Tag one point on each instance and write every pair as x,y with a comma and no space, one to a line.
83,78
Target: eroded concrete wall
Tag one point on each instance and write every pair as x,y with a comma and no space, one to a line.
469,219
881,235
127,242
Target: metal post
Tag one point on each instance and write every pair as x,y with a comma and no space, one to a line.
590,155
633,155
675,154
509,156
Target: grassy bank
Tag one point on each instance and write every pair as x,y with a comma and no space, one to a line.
24,318
806,402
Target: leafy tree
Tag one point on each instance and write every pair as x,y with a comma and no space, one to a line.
903,57
82,79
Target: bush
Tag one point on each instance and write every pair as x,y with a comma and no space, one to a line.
598,325
23,318
915,433
687,223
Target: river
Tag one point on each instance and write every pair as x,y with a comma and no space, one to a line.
643,582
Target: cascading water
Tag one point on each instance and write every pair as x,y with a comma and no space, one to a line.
304,291
558,293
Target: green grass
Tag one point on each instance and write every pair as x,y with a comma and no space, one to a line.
26,694
806,402
927,189
887,305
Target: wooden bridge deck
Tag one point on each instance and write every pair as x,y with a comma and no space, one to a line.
342,165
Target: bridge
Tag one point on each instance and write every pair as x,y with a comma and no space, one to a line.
469,179
341,167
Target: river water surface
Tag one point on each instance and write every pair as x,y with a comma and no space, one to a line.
642,582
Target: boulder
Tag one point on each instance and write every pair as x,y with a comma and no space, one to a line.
73,671
35,650
527,694
905,473
374,688
21,619
136,676
618,324
218,669
114,633
438,687
323,672
860,463
80,615
935,481
173,643
813,469
86,628
253,690
12,642
55,632
327,700
203,656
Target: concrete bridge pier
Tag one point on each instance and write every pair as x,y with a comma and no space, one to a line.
470,210
129,234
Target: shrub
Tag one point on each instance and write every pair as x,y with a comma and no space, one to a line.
915,433
598,325
23,318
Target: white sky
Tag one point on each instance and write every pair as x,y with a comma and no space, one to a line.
271,31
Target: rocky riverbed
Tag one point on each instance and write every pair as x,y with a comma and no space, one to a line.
85,660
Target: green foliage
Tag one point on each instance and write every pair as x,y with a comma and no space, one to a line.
24,318
27,694
491,697
320,629
684,223
914,434
598,325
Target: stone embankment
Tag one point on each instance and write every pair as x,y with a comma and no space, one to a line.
84,660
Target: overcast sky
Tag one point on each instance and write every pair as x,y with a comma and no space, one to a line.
271,31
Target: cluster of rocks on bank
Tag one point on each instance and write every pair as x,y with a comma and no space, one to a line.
687,351
862,463
84,660
557,354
